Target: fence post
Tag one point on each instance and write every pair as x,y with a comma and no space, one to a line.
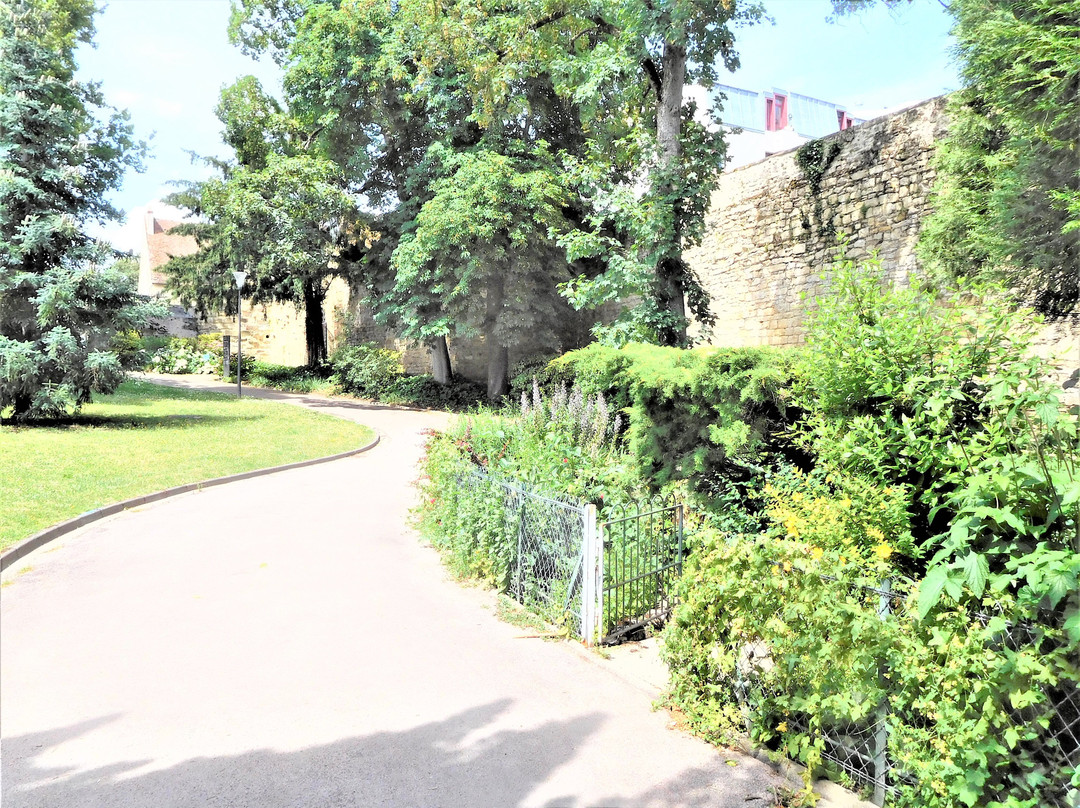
519,498
881,732
590,591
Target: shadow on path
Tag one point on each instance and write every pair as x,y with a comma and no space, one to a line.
432,764
458,762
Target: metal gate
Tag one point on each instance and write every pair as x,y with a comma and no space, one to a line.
640,567
597,580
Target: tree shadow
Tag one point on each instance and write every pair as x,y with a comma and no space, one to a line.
457,761
125,422
460,761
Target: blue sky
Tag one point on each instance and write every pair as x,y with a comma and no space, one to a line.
165,61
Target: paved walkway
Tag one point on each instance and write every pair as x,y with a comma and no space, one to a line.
286,641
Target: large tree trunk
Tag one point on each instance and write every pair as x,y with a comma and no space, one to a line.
498,367
314,333
669,270
498,372
441,369
21,406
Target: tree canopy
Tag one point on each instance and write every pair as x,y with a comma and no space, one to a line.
1008,197
62,149
584,98
279,213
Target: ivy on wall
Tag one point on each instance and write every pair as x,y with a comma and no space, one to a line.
813,160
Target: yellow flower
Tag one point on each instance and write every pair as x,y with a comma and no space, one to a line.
782,726
883,551
874,533
787,566
817,553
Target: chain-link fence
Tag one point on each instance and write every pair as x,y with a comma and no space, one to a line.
875,727
546,534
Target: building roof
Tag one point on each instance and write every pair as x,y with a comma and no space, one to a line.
810,117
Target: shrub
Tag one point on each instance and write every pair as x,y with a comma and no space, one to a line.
292,379
937,395
201,354
526,371
797,634
564,445
377,373
937,455
366,370
128,346
709,416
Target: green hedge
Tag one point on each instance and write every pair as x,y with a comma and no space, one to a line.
711,417
972,703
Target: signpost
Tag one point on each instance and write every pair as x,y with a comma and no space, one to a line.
239,277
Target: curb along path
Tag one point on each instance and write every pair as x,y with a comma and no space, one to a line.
286,641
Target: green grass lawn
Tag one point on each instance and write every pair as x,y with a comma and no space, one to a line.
147,437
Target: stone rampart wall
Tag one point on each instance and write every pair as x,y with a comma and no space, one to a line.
274,332
769,239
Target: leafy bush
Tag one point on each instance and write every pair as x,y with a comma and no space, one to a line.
939,396
424,391
128,346
936,455
565,445
366,370
526,371
796,632
291,379
376,373
202,354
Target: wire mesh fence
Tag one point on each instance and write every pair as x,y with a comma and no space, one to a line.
559,568
545,572
877,727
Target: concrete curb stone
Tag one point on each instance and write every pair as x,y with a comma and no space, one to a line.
27,546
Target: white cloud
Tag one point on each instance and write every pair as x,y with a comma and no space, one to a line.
122,236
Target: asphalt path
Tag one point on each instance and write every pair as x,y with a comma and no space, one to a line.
288,641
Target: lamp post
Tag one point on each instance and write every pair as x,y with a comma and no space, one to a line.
239,277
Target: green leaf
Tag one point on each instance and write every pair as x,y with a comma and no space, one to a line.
977,570
930,589
1072,624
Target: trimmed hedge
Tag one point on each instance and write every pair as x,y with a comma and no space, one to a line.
708,416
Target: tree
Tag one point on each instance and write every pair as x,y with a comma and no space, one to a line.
645,170
61,150
399,119
481,243
1007,202
280,214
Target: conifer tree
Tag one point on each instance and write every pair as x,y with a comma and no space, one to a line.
62,149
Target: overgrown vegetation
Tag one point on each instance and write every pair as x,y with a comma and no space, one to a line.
565,445
935,455
887,524
813,160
